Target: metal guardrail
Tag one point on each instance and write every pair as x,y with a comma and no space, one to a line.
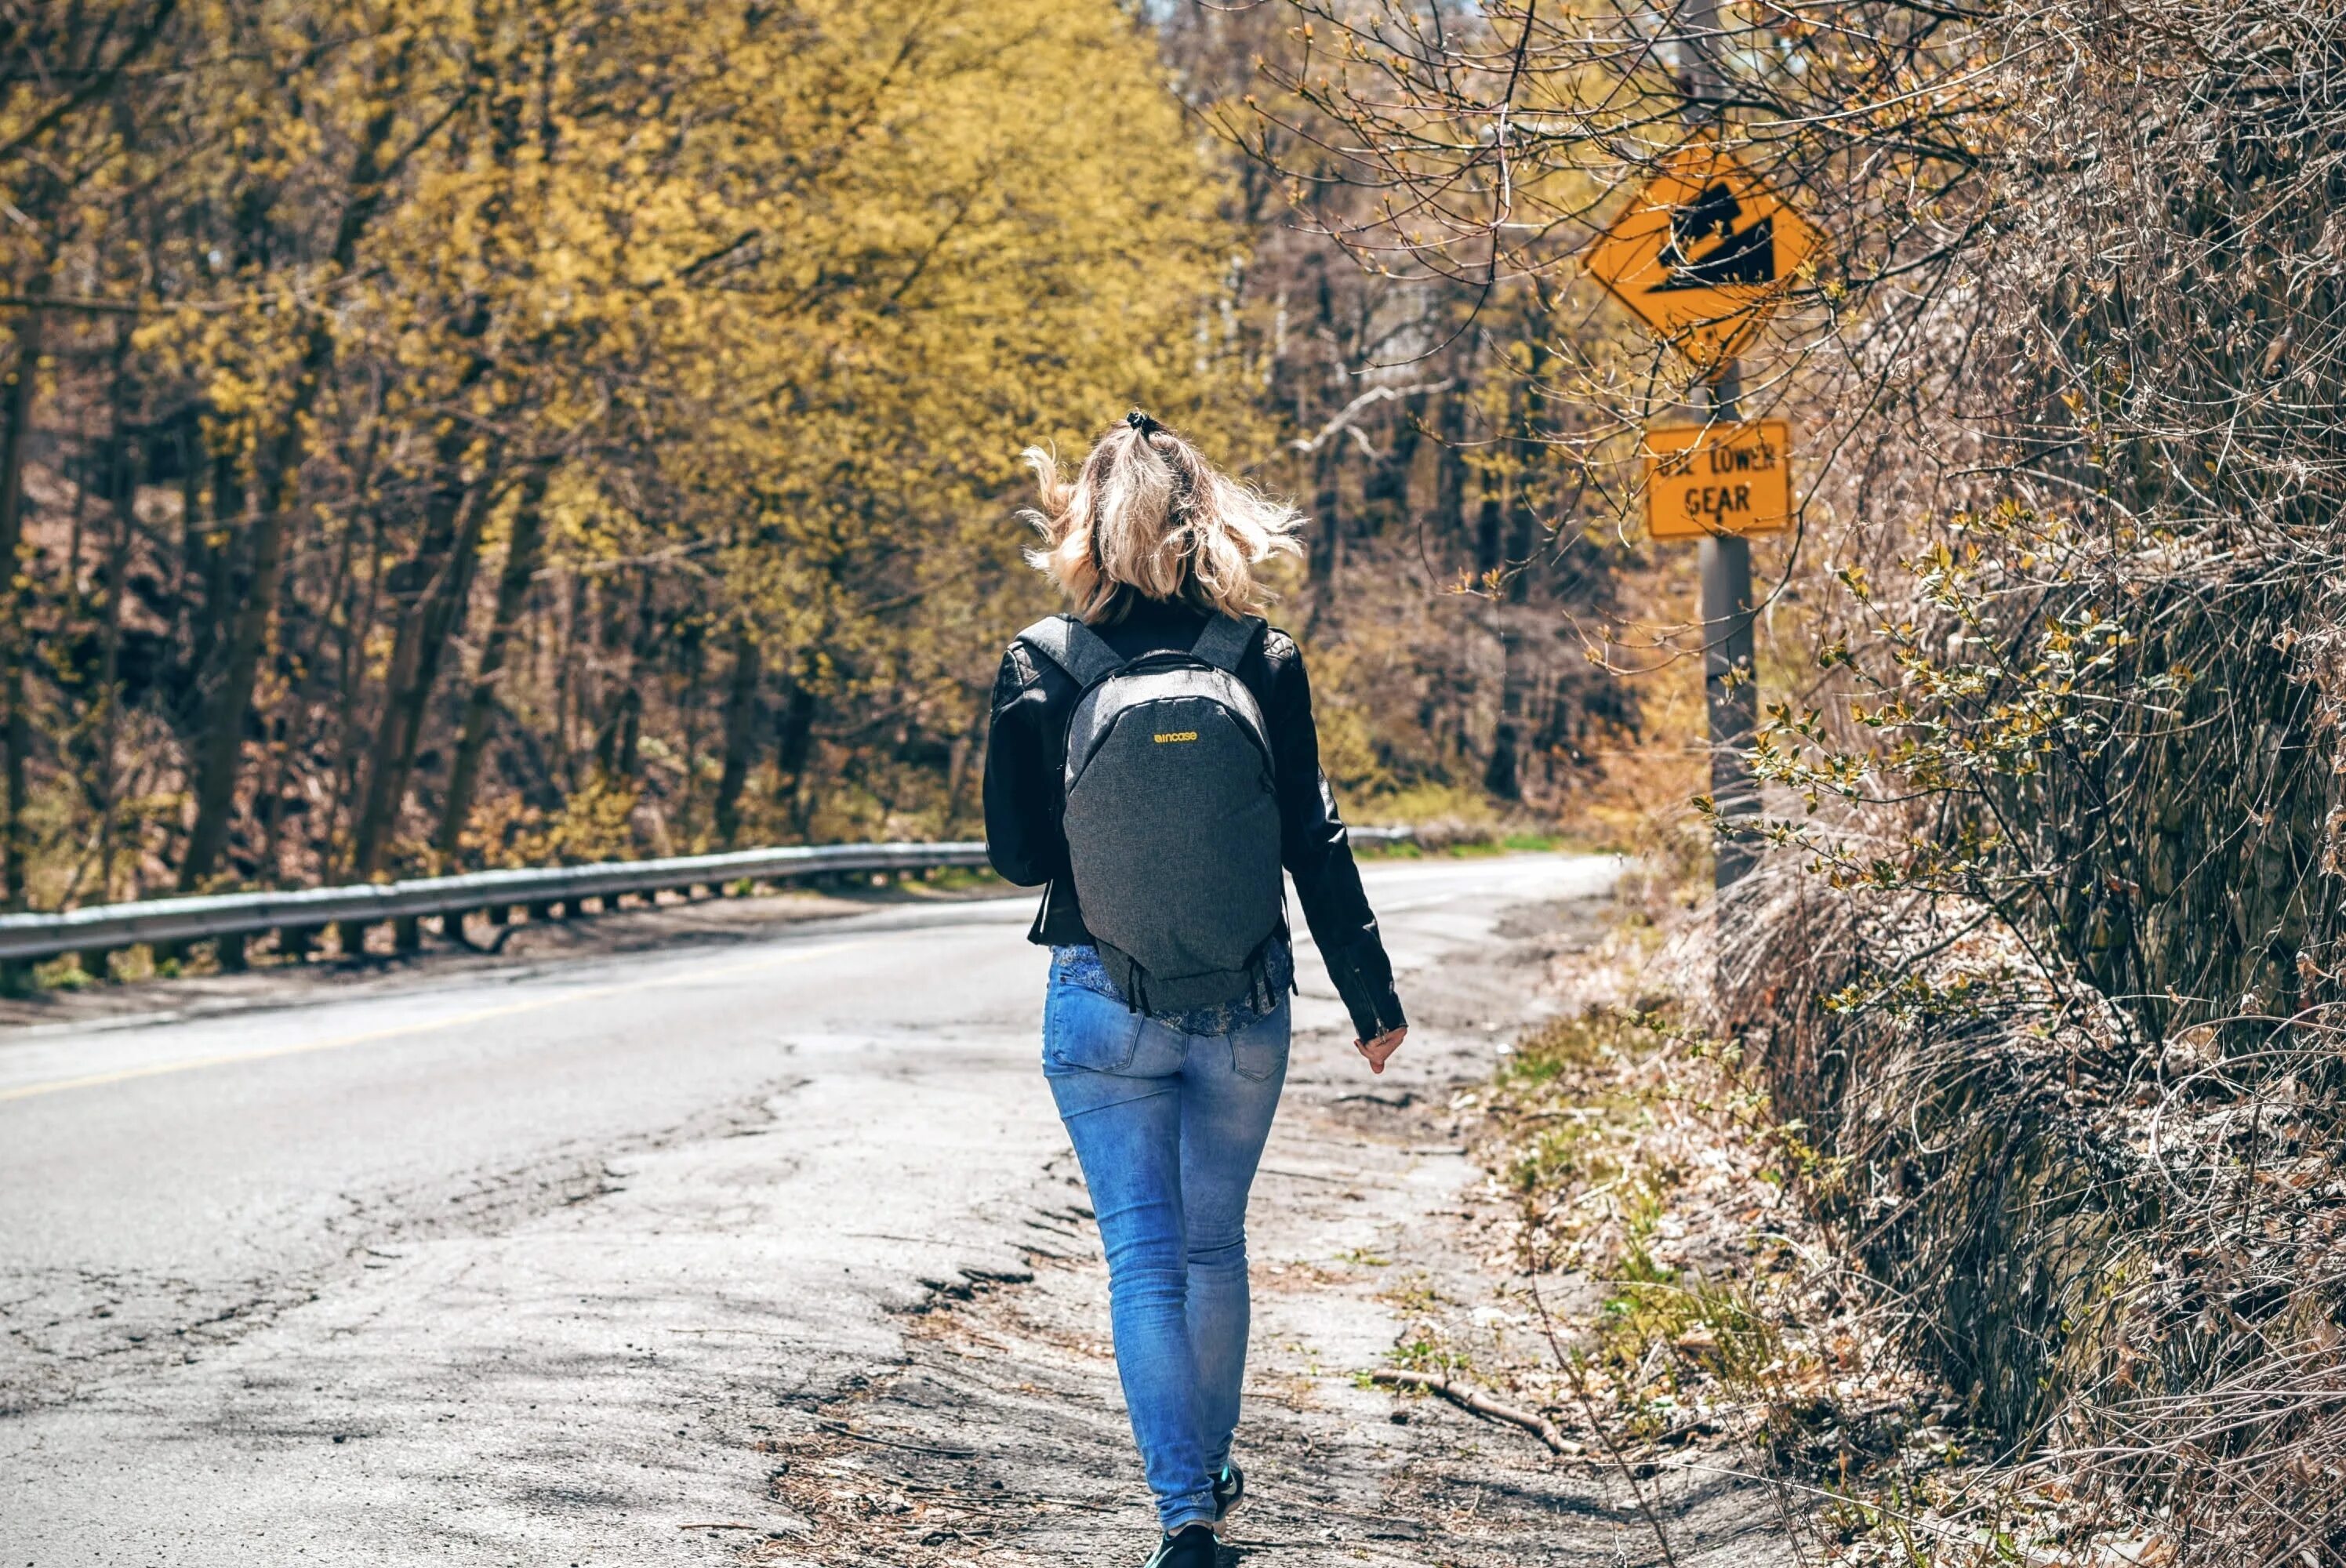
232,918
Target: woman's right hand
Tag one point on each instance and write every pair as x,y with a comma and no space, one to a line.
1381,1047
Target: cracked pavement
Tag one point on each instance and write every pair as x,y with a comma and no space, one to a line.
602,1259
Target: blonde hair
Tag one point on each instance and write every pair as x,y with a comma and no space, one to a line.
1147,513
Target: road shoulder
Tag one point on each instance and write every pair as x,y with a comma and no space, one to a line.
1000,1433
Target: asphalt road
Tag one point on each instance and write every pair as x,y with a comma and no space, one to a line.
502,1264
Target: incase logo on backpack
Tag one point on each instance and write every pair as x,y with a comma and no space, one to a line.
1174,864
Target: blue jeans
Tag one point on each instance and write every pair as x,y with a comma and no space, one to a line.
1169,1127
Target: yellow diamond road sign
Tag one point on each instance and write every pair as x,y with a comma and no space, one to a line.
1703,254
1718,479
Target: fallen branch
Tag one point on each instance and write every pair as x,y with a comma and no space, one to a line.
843,1430
1481,1403
1577,1370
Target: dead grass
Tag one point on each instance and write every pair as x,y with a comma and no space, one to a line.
1686,1310
1698,1271
1685,1294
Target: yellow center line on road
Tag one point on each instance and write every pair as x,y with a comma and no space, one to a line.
429,1025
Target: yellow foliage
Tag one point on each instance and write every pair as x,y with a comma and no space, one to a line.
770,296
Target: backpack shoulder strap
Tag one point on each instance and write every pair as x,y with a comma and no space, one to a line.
1226,641
1074,646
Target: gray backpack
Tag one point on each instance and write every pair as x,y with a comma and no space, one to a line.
1171,817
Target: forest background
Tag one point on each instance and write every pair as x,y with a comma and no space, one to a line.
444,435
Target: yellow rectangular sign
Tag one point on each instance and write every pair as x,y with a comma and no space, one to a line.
1718,479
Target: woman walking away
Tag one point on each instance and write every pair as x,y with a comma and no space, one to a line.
1154,765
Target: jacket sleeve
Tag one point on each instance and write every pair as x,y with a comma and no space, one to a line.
1319,854
1023,837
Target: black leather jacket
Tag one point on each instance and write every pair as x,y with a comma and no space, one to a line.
1033,701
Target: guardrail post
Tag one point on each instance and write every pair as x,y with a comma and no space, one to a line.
407,935
295,942
228,952
16,977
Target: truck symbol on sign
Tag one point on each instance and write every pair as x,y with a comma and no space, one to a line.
1746,256
1703,254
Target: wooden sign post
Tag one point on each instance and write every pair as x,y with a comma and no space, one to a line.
1703,256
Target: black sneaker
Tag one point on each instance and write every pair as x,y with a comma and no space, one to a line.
1191,1546
1229,1491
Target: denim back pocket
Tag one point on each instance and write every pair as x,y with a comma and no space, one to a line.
1259,1049
1083,1031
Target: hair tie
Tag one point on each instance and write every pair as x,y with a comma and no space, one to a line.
1181,480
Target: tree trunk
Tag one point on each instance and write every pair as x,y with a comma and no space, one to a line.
523,551
965,761
350,646
618,741
1450,471
1490,551
1327,521
442,573
305,726
228,711
692,650
567,700
1385,494
1501,775
209,566
1523,542
280,472
16,409
794,744
122,489
741,734
301,718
